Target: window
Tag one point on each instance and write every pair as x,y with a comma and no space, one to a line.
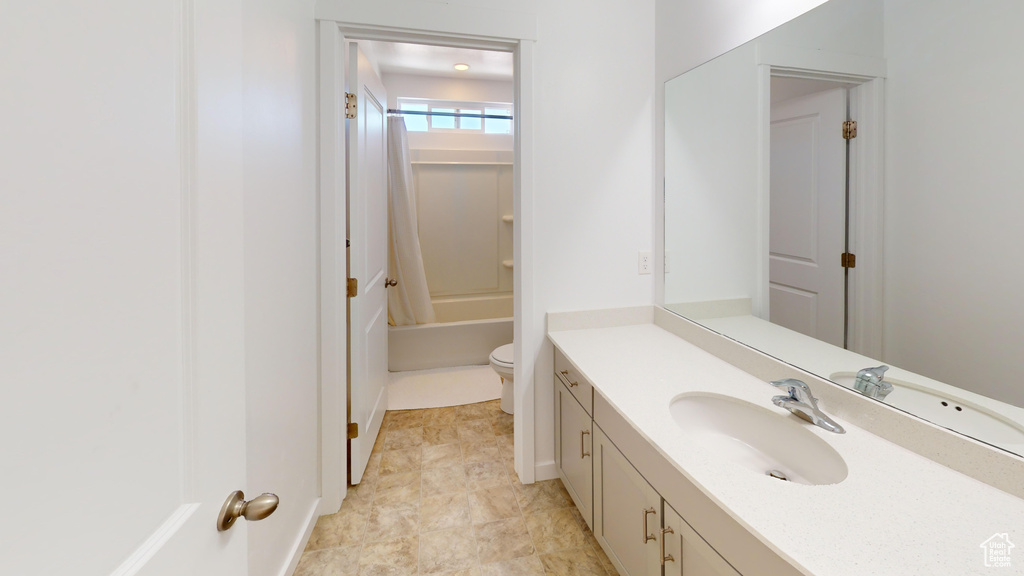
447,121
413,122
495,125
470,123
440,121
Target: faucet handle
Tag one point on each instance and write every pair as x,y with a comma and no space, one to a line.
873,375
797,389
791,384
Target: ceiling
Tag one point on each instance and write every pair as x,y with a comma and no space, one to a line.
400,58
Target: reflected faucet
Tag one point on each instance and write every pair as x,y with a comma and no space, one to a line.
801,402
870,383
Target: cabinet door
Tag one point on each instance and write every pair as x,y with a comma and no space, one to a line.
623,504
573,448
686,553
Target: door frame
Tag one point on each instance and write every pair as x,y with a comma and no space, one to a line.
867,184
333,33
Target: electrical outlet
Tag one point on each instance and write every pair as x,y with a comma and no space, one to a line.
644,262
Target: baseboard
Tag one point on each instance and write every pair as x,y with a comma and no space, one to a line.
545,471
300,545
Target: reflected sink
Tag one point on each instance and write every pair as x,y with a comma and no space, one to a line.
947,411
757,438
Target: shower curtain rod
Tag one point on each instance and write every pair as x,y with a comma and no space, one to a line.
451,114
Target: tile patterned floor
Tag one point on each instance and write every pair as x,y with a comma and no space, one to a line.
440,496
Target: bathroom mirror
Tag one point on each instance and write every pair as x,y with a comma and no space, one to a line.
837,247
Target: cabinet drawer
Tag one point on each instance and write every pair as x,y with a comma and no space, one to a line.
582,390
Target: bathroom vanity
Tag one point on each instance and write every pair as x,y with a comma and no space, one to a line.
653,437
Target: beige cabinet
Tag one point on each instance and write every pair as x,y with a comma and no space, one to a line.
631,495
686,553
573,450
627,512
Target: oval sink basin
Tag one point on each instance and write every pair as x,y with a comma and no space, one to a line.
947,411
757,439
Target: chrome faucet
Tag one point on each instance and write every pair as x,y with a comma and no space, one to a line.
869,382
801,402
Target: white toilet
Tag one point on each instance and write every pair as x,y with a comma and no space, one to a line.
502,362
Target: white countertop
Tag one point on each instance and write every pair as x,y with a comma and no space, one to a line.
896,513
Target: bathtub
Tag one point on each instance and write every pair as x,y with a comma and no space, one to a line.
466,331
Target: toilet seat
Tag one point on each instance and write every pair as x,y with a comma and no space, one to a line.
502,362
504,356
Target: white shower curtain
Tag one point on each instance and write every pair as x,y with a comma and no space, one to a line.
409,300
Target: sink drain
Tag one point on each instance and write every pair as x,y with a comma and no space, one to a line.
779,474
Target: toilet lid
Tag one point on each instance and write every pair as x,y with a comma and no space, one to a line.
504,355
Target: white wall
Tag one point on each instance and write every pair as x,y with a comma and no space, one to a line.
412,86
279,55
711,179
594,163
954,135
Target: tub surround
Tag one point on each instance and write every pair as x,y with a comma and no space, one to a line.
895,513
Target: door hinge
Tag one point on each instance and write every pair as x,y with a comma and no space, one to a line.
849,260
353,430
849,130
353,287
350,105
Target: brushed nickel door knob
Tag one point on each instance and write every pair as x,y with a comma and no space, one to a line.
236,507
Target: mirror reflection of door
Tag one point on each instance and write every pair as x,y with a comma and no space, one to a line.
807,227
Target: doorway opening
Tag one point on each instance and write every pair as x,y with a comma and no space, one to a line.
432,237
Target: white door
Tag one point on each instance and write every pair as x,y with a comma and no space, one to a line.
121,312
368,229
808,215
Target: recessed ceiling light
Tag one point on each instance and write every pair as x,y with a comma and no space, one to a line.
461,67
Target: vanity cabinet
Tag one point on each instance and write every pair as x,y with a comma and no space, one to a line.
690,554
638,529
642,534
574,449
627,512
634,524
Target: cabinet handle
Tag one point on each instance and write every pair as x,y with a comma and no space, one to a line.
648,537
665,558
566,374
583,452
